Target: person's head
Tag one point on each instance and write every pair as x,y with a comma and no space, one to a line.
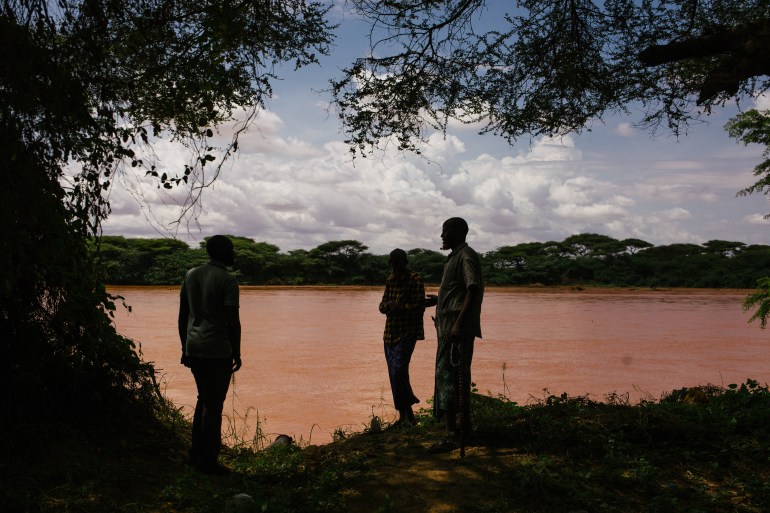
220,248
397,261
453,232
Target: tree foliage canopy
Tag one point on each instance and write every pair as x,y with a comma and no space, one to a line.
94,83
753,127
548,67
86,88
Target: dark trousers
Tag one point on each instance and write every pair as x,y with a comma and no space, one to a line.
212,378
398,356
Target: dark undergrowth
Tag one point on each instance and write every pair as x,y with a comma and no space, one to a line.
704,449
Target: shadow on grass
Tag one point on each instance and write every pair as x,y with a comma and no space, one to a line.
704,449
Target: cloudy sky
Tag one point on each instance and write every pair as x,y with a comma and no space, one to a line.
293,183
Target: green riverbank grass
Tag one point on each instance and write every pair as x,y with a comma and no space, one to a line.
705,449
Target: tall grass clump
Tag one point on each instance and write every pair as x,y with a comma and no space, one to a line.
704,448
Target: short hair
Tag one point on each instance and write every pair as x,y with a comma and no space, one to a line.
398,254
459,223
219,247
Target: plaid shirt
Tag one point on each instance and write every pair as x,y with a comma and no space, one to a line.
408,293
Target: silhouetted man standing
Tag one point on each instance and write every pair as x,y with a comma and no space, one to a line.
458,322
403,302
210,331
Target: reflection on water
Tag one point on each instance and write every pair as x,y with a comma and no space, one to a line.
313,358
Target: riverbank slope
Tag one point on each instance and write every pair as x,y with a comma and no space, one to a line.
703,449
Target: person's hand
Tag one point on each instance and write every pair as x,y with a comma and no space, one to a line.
431,300
236,363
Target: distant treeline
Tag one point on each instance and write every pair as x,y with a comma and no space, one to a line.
584,259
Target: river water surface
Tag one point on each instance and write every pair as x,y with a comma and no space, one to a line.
313,358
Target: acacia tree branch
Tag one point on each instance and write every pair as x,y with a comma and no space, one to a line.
743,52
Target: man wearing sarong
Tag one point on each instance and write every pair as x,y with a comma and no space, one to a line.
458,323
403,304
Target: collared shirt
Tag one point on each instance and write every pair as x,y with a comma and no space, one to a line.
208,289
461,271
408,292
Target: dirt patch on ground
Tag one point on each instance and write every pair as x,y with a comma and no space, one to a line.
402,475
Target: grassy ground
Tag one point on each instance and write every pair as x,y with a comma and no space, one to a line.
697,450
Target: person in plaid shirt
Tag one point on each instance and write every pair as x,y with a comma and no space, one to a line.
403,304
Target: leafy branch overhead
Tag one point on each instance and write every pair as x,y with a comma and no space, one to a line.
98,82
547,67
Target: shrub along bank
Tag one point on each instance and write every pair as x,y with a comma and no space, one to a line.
705,449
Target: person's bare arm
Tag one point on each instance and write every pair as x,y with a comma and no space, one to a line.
234,334
184,314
